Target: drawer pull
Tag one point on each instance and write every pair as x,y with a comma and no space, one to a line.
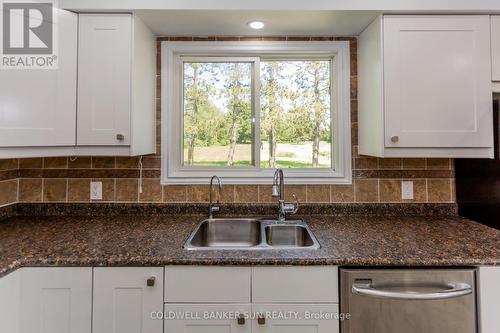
261,320
395,139
241,320
151,282
120,137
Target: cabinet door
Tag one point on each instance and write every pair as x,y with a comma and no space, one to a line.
290,318
104,79
56,300
489,299
437,81
38,106
495,47
123,300
202,318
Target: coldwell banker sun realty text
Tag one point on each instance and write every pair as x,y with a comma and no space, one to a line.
29,34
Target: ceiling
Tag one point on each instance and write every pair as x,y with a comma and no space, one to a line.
234,23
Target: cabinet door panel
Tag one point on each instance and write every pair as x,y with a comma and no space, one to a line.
38,107
301,318
198,324
489,299
437,81
104,79
495,47
123,302
56,300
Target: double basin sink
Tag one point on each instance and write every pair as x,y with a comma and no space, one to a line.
251,234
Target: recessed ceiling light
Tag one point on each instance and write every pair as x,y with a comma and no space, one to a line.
256,25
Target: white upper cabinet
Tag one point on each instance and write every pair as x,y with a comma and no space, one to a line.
495,50
116,82
99,101
38,106
104,80
432,92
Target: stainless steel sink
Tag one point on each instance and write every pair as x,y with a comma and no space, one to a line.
251,234
288,235
221,233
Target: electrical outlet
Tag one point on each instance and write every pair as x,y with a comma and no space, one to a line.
95,190
407,190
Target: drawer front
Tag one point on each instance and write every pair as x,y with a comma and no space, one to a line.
209,284
296,284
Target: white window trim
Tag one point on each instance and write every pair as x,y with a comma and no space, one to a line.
172,173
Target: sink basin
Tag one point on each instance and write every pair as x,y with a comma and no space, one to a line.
251,234
224,233
288,236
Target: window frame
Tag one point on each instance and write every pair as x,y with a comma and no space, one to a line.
172,170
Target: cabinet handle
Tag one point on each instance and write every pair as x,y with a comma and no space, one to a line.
241,320
395,139
120,137
261,320
151,282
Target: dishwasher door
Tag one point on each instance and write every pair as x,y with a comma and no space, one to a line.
408,301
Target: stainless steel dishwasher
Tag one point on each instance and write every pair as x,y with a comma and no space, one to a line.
408,300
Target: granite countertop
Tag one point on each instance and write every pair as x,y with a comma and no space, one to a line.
154,240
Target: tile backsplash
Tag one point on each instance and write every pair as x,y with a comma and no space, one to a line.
67,179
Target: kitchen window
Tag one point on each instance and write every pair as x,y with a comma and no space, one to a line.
242,109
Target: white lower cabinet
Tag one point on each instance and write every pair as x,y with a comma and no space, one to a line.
296,318
207,318
55,300
291,299
125,297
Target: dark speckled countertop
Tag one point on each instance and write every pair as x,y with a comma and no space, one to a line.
153,240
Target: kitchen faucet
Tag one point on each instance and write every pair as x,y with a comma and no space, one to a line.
214,208
279,191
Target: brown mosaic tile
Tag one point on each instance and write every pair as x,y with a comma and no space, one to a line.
342,193
54,190
8,174
439,190
9,164
390,163
414,163
366,190
227,38
174,193
30,190
390,190
126,190
265,194
318,193
83,162
228,193
151,191
78,190
365,163
251,39
246,193
299,190
127,162
55,162
8,192
103,162
298,38
438,163
197,193
30,163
